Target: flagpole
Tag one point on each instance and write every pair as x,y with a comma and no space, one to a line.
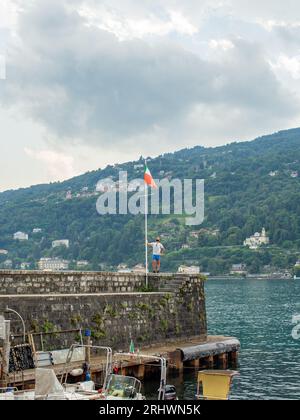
146,231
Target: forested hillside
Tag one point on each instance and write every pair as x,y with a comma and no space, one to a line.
248,186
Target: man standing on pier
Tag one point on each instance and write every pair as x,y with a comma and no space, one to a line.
158,250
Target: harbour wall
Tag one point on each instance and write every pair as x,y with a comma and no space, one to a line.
114,306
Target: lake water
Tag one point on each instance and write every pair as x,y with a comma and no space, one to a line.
259,313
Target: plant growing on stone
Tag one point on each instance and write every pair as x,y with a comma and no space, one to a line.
75,320
98,320
143,306
48,327
164,324
35,326
109,310
97,335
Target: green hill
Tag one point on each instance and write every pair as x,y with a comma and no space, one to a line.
248,186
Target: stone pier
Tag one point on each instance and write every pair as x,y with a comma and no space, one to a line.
114,306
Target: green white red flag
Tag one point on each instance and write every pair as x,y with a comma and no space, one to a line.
148,178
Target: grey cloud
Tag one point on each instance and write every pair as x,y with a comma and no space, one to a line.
246,10
289,37
247,80
266,9
81,82
78,79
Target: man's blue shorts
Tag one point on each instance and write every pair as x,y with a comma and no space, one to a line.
156,257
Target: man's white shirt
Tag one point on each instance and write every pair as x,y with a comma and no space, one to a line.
157,248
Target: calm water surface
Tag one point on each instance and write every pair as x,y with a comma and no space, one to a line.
259,313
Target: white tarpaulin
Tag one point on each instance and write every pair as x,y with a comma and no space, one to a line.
60,356
46,383
2,328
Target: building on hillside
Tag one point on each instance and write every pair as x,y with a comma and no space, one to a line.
193,269
238,269
273,173
171,225
81,264
126,270
25,266
165,235
61,242
21,236
297,263
69,195
139,166
122,266
210,232
185,246
139,268
105,185
3,252
277,274
195,234
8,264
37,230
257,240
204,231
294,174
53,264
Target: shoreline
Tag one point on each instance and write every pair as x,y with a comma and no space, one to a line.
258,277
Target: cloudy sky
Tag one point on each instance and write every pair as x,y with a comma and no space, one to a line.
84,83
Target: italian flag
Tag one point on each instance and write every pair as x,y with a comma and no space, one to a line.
148,177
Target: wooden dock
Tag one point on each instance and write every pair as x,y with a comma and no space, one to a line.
215,352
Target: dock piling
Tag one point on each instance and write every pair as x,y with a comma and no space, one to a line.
223,360
6,351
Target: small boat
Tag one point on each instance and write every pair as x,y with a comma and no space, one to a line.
115,387
48,387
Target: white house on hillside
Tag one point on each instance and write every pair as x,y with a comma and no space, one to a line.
21,236
193,269
36,230
25,266
61,242
257,240
82,263
53,264
239,269
139,268
7,264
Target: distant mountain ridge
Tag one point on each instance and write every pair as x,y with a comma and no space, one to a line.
281,137
249,185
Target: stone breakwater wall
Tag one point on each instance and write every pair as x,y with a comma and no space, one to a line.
114,306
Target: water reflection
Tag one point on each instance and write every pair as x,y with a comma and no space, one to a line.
259,313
